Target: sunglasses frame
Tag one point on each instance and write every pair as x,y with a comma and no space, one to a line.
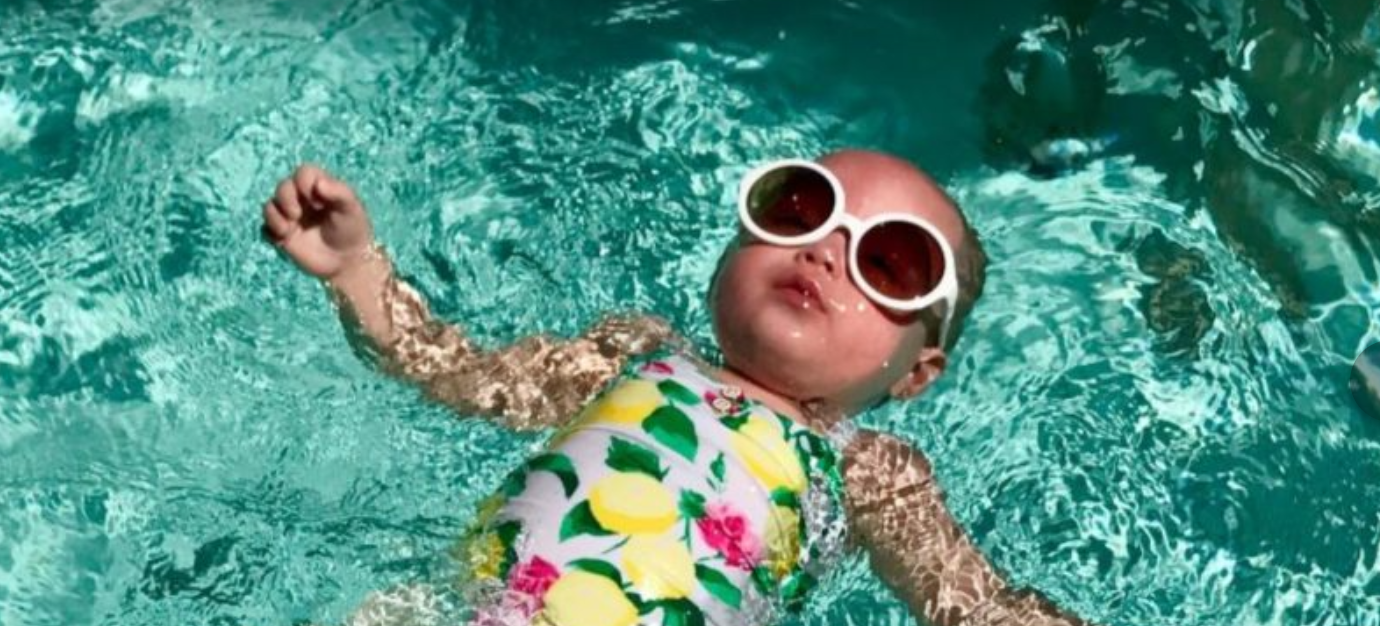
946,291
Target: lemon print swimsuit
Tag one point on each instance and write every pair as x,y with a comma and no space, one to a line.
673,500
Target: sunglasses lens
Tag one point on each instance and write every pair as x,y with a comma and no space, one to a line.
791,201
901,260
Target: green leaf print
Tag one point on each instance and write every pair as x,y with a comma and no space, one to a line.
677,392
783,496
507,534
693,615
691,504
669,616
763,580
679,612
598,568
671,428
626,456
515,483
809,445
719,585
560,465
580,521
796,586
508,531
716,472
736,421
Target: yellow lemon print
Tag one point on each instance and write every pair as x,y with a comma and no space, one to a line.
783,539
760,444
659,567
631,503
628,403
580,598
768,421
485,556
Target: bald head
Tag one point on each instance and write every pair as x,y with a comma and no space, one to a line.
876,182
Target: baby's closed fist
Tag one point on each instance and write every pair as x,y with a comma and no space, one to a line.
318,221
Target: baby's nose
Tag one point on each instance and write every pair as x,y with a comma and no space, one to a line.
821,258
826,253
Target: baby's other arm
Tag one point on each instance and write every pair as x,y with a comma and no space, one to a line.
540,381
919,551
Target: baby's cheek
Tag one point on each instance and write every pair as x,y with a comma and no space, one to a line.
873,341
736,307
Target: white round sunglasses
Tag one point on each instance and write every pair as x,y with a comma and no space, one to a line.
892,256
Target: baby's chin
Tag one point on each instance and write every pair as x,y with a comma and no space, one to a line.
777,351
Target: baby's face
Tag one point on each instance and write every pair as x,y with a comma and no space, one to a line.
839,346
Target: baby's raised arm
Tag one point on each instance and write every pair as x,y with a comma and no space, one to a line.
918,549
540,381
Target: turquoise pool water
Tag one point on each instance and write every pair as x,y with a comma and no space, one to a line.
1148,419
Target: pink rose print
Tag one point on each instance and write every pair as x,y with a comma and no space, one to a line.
728,403
727,532
529,581
658,367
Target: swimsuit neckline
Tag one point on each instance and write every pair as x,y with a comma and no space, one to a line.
708,373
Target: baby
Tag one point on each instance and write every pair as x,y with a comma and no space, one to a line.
678,493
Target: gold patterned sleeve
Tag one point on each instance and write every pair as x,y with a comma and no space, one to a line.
898,513
535,383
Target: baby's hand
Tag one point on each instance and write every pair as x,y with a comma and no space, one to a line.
319,222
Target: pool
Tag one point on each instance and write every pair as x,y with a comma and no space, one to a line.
1147,420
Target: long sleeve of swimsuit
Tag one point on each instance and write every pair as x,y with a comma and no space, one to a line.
897,510
537,382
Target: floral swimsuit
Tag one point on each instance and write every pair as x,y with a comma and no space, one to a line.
673,500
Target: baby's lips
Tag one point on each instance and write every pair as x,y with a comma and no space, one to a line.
808,286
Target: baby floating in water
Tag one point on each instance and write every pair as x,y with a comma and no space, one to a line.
679,493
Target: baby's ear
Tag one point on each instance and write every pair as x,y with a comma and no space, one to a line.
926,369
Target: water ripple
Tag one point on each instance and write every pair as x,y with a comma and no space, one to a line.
1144,420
